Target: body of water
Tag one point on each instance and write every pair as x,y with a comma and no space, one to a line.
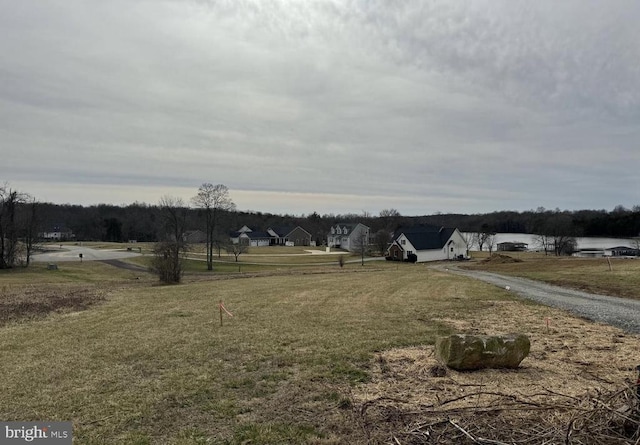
583,242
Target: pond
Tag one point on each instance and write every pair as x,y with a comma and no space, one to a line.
583,242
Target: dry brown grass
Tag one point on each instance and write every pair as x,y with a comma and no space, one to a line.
572,363
587,274
35,292
304,354
38,301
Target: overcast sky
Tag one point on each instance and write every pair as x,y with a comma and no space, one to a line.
328,106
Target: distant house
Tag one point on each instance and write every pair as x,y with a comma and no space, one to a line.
289,235
590,253
194,236
348,236
512,247
427,243
255,238
623,251
235,236
58,233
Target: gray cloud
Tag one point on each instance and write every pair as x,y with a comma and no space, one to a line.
461,106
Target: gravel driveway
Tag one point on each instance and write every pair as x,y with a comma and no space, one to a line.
620,312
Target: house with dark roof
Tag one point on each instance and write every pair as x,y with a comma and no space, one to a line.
348,236
235,236
289,236
427,243
254,238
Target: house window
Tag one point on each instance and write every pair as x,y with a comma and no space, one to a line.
402,242
452,249
409,252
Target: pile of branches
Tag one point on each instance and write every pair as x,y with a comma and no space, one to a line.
493,418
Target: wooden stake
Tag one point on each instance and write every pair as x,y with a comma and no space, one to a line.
220,307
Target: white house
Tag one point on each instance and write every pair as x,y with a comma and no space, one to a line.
428,243
348,236
58,233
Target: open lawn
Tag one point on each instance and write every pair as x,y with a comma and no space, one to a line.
196,265
266,250
587,274
329,356
279,259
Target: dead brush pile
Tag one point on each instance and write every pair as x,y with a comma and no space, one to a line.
485,417
498,258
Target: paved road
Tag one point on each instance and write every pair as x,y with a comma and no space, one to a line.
620,312
72,253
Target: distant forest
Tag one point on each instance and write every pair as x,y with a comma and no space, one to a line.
141,221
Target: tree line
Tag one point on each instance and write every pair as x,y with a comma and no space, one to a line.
23,220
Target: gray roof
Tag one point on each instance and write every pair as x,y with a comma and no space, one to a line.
349,226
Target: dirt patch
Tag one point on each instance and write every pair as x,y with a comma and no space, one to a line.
576,381
36,301
498,258
127,266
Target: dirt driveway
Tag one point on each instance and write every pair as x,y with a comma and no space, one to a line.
619,312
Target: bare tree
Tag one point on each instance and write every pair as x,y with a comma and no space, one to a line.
485,236
389,213
560,230
635,243
29,227
171,250
390,218
9,247
213,199
545,242
481,239
564,244
469,239
237,249
490,241
382,240
219,242
361,244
